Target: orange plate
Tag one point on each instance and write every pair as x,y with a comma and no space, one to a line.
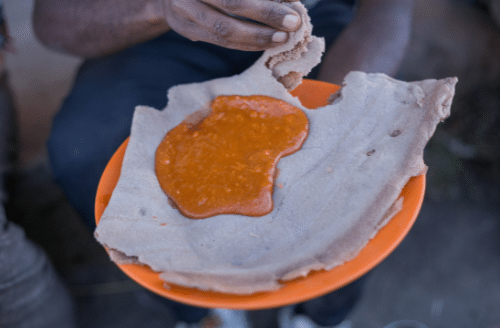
312,94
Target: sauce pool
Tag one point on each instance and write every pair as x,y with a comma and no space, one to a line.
226,163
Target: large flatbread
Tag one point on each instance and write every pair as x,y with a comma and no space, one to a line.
337,191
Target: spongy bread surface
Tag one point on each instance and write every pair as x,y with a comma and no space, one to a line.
338,190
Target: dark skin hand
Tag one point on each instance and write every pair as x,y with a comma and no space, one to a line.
93,28
219,22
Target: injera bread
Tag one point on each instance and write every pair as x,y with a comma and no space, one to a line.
335,193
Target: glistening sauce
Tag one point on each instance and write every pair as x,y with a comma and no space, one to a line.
226,163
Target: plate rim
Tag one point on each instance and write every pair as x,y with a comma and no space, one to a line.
299,291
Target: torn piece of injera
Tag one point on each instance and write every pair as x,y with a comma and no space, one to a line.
338,190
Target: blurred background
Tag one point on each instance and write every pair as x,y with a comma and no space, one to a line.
444,274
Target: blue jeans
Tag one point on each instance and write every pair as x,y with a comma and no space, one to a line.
96,116
31,292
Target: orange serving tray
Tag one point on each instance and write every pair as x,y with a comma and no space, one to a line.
312,94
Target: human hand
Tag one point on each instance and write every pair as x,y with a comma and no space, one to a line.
250,25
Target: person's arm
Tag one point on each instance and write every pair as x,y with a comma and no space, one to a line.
374,42
92,28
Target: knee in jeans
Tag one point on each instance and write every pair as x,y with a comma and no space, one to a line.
63,152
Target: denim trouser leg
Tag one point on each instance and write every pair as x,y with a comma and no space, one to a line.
331,309
31,293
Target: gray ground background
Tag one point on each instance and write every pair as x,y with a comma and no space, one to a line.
444,274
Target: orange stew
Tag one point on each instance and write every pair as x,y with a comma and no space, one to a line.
226,163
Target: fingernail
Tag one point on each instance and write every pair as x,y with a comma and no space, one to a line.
279,37
290,22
